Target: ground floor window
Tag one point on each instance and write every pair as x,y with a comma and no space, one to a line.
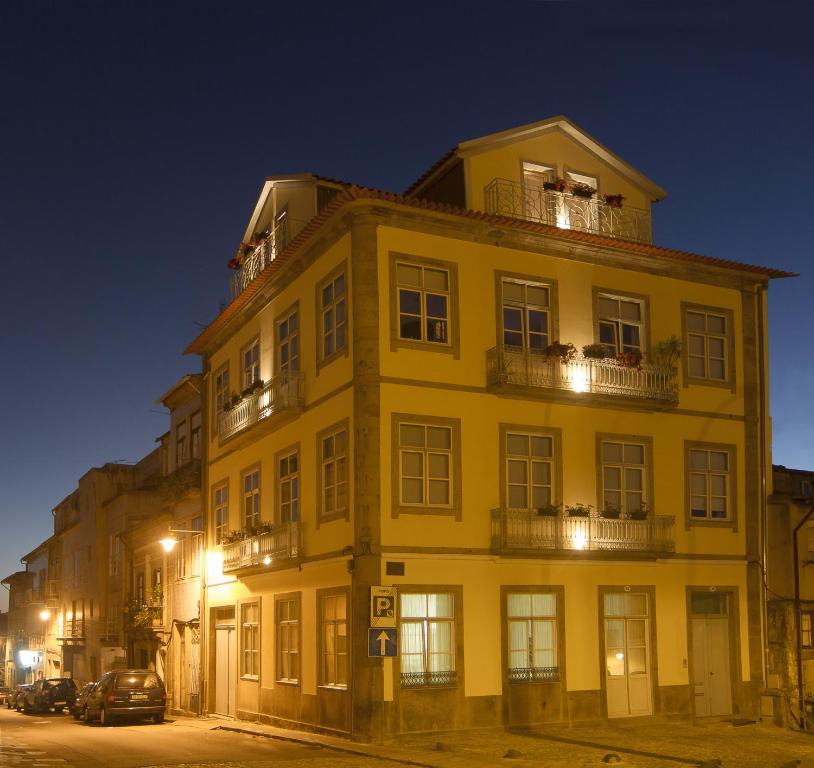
288,639
334,641
427,639
532,634
250,640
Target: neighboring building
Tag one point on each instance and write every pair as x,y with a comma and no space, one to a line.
573,533
25,656
791,513
4,649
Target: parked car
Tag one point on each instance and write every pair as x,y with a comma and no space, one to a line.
53,694
82,700
134,693
16,699
4,694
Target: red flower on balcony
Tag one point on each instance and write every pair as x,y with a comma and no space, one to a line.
614,201
235,262
631,359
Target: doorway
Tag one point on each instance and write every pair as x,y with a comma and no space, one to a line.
711,657
628,686
225,661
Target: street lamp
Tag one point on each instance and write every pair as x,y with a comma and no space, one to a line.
168,542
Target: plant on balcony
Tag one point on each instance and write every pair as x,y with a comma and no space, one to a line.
582,190
668,353
630,359
548,510
235,262
578,510
639,514
566,352
614,201
258,385
557,185
609,512
236,398
594,351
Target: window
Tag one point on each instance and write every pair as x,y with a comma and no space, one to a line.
181,444
220,392
333,316
140,591
709,344
529,471
287,611
805,629
250,640
115,547
251,499
334,641
181,551
525,314
250,364
423,303
288,482
805,487
195,435
425,461
621,324
624,469
196,547
710,482
532,636
220,505
288,343
333,452
157,581
427,639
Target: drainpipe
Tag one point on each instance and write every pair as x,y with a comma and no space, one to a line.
798,615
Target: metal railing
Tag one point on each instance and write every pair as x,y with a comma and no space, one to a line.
534,674
567,211
282,392
281,542
263,254
423,679
524,529
522,367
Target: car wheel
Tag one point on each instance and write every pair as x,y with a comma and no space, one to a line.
158,719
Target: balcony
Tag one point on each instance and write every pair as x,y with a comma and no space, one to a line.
278,544
567,211
514,368
524,531
283,393
256,256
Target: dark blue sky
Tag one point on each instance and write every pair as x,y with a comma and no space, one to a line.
134,138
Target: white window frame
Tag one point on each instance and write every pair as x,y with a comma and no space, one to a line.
288,342
426,452
333,316
250,363
623,467
251,498
531,672
250,641
288,639
220,511
430,669
529,461
334,663
618,323
707,474
423,292
525,308
288,485
334,473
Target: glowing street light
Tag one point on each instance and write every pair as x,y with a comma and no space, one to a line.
45,614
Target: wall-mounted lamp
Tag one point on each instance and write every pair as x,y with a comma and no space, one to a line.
169,541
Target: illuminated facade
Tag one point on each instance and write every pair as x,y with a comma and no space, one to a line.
495,394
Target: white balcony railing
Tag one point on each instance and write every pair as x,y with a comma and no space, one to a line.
567,211
281,393
525,530
280,543
516,366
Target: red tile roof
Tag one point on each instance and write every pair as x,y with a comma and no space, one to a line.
354,193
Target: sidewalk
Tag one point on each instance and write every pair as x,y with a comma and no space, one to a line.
643,745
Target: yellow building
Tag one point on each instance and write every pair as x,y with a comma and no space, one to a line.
494,394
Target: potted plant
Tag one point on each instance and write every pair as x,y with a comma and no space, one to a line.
594,351
609,512
565,352
630,359
614,201
668,353
235,262
578,510
236,398
579,189
258,384
557,185
548,510
639,514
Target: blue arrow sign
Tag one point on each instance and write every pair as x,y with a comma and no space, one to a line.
381,642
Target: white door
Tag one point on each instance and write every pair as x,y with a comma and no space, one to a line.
627,655
710,662
225,670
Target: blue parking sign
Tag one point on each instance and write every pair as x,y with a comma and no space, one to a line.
381,642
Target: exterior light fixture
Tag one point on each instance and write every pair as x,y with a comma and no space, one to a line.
45,614
266,560
169,541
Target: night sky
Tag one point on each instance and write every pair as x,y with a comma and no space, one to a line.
134,138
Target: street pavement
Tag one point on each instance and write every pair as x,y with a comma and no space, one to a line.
54,741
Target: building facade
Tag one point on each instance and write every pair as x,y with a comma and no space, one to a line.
494,394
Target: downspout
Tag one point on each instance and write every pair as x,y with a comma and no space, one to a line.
797,617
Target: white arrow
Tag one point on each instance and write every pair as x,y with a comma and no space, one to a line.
382,640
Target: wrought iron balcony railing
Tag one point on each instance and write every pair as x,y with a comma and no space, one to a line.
515,366
278,544
259,256
283,392
525,530
567,211
426,679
